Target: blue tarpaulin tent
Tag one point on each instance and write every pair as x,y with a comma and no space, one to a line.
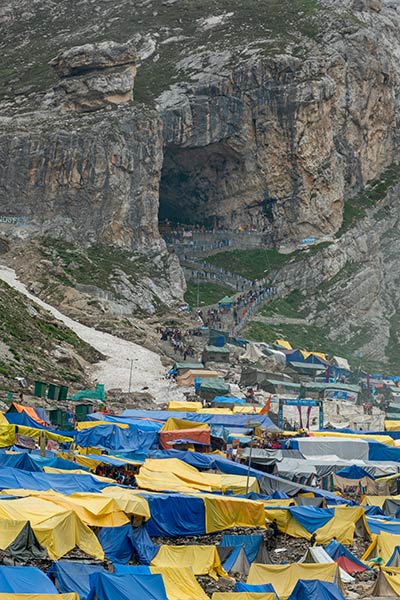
354,472
61,482
132,569
25,580
112,437
120,543
313,589
251,543
15,418
175,515
105,586
258,589
237,420
74,576
311,517
345,559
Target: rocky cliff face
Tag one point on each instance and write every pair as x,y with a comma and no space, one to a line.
270,114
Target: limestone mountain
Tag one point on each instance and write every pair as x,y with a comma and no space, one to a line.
232,113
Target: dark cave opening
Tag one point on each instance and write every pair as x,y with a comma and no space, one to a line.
196,183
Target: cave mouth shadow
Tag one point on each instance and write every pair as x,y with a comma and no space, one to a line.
196,183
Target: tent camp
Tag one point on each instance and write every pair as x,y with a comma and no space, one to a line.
253,545
316,590
188,377
234,559
215,354
318,555
284,577
344,558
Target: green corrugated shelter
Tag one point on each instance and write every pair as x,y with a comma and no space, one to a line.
215,354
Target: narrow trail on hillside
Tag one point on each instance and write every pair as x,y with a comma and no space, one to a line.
114,372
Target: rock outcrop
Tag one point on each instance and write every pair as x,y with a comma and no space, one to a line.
93,76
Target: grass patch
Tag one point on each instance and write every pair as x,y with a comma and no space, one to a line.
286,307
374,191
253,264
349,269
259,263
209,293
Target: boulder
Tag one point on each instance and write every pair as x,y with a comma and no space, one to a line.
92,57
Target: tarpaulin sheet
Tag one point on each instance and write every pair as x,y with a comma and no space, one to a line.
382,452
57,529
341,526
55,463
22,419
174,515
382,545
177,405
203,560
387,583
22,461
193,436
344,558
188,377
251,543
382,438
173,424
96,510
316,590
120,587
18,479
229,399
120,543
128,500
180,583
167,474
8,596
210,418
225,512
23,580
317,554
378,524
285,577
74,576
341,447
394,560
243,596
353,472
260,589
312,518
116,438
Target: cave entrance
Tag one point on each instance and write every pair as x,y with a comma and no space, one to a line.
197,183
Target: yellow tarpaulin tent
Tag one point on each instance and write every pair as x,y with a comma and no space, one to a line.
129,502
342,526
284,577
203,560
224,512
392,425
382,545
284,344
174,474
180,583
377,500
243,596
173,424
77,472
383,439
89,424
57,529
184,406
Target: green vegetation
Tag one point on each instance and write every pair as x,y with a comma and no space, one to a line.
286,307
33,39
209,293
257,264
28,336
349,269
374,191
253,264
97,264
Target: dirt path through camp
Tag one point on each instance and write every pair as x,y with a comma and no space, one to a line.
114,372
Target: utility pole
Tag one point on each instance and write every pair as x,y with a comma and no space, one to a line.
130,376
198,292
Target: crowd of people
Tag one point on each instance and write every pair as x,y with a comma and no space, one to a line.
179,340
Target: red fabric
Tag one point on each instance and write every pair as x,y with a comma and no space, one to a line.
349,566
